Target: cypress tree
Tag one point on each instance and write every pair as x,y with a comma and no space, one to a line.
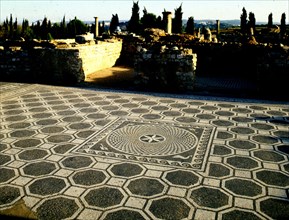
16,31
76,27
178,20
190,28
244,21
15,24
283,25
159,22
6,27
270,20
24,28
38,29
44,29
113,23
63,28
148,20
134,22
10,35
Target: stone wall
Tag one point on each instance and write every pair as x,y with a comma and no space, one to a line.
100,56
273,71
232,59
70,63
165,68
264,65
53,66
57,65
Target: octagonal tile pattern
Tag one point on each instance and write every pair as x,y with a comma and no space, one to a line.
240,214
145,187
126,170
266,155
22,133
105,197
4,159
6,174
63,148
89,177
243,187
77,162
242,130
58,208
162,208
241,162
275,208
33,154
222,150
274,178
124,213
3,147
59,138
27,143
47,186
9,194
182,178
208,197
70,153
218,170
39,168
242,144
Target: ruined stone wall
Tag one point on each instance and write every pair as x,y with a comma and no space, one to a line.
231,59
170,69
14,63
58,65
213,58
273,71
100,56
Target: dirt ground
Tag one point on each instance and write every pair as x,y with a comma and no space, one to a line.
122,77
118,76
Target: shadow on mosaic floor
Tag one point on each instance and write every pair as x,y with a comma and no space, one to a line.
122,78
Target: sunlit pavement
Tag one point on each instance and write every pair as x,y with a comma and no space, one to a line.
69,153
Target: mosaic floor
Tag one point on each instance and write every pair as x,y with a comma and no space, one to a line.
69,153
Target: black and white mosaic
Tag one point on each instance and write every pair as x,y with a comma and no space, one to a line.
154,142
68,153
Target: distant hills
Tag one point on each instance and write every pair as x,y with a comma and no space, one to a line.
223,23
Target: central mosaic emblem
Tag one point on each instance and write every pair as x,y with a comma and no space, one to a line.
151,140
171,144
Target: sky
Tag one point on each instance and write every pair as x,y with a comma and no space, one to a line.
85,10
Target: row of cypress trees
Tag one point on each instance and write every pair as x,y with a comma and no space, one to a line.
251,23
45,30
149,20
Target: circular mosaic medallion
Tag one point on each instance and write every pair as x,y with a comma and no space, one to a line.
152,140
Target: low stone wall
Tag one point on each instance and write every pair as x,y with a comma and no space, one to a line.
170,69
273,71
57,65
100,56
214,59
53,66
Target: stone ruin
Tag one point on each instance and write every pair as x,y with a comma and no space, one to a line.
59,62
165,68
156,66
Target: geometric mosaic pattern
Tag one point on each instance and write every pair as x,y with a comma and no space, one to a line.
68,153
153,142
